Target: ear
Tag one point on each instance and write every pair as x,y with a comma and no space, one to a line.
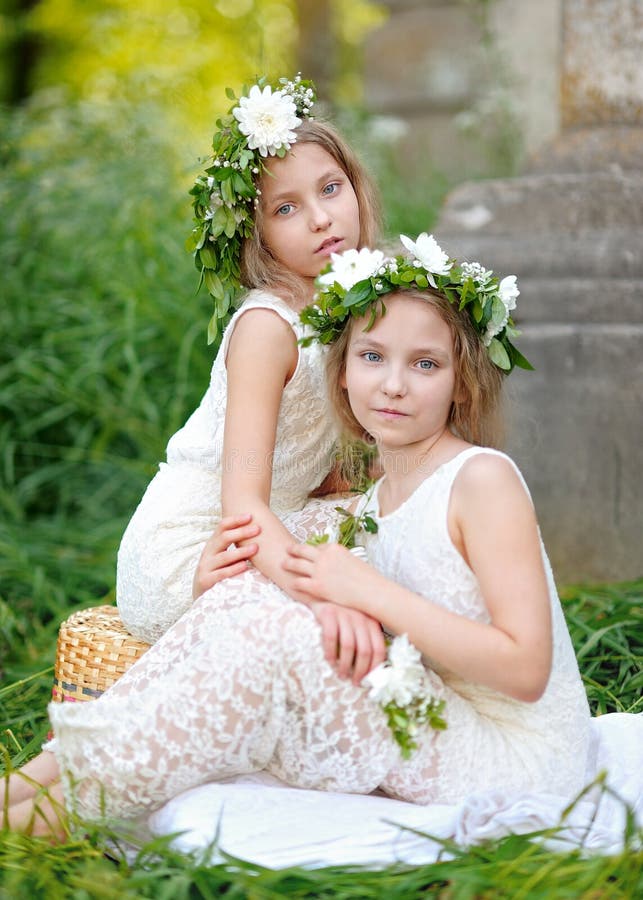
342,378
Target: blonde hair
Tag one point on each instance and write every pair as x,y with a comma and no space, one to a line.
476,411
259,268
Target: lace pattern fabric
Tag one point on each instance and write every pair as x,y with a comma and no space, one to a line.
240,685
491,740
182,505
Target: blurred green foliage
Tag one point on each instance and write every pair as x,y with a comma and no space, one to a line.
104,350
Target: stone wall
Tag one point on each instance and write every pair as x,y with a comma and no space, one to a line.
571,229
425,66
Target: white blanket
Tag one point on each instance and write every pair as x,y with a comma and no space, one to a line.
259,819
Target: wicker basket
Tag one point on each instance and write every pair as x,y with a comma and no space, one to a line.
94,650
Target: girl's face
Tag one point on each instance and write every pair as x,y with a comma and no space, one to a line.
310,209
400,375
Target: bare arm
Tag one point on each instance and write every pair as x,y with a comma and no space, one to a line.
500,542
262,356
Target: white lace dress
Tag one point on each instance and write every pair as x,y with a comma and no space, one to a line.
182,505
239,684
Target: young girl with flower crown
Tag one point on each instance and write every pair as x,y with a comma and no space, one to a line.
280,193
457,576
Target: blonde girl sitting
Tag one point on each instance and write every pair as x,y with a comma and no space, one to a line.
280,193
456,567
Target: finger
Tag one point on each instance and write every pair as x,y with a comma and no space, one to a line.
363,660
228,522
329,638
240,533
347,642
364,646
379,644
302,551
297,566
233,554
221,574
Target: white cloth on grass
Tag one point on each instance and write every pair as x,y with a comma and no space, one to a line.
259,819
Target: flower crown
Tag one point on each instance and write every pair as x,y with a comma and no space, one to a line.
357,280
259,124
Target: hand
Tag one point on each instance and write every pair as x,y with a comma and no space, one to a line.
220,559
353,642
327,572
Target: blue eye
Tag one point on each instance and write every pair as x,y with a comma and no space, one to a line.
330,188
285,209
371,356
426,364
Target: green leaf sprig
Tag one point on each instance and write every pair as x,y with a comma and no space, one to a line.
470,287
224,200
348,528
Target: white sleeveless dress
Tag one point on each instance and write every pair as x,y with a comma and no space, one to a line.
240,684
182,505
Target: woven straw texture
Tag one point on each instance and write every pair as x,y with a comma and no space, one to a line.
94,649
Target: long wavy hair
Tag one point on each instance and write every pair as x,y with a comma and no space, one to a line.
476,412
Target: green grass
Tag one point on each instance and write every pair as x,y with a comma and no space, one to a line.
103,356
605,624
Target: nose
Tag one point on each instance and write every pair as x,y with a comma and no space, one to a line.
393,383
319,217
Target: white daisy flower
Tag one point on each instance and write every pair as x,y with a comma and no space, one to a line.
429,254
508,291
267,118
352,266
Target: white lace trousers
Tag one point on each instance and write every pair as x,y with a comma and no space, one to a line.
238,685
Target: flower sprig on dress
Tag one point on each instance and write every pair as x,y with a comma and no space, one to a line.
401,687
261,123
347,530
355,283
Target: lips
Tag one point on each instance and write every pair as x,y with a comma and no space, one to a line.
330,245
391,413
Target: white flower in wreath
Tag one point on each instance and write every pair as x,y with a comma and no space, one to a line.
351,267
428,254
267,118
508,292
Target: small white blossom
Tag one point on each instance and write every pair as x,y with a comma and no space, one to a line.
402,653
332,534
400,679
267,118
474,270
429,254
352,266
359,552
508,292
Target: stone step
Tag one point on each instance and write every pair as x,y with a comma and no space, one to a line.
583,300
575,431
536,204
598,254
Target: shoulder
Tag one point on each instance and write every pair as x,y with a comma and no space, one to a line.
263,332
257,299
489,476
